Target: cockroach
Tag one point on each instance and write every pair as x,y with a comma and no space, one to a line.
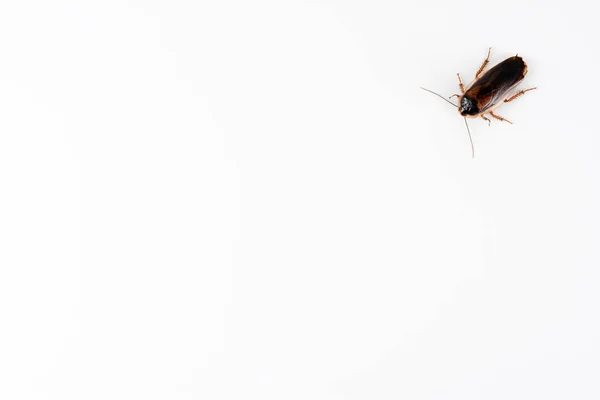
489,90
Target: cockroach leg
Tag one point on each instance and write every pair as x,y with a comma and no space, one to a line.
487,119
457,95
522,92
485,62
499,117
460,84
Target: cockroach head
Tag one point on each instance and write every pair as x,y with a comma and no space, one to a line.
467,106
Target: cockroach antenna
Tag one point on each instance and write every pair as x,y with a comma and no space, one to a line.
470,139
440,96
465,118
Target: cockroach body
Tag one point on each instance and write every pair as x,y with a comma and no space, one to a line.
490,89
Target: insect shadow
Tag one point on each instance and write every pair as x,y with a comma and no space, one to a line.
489,90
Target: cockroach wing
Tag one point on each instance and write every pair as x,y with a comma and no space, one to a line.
498,96
494,86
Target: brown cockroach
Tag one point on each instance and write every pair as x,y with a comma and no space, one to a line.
489,90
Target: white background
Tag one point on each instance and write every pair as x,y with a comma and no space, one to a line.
255,200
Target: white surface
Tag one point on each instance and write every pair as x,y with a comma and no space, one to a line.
254,200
